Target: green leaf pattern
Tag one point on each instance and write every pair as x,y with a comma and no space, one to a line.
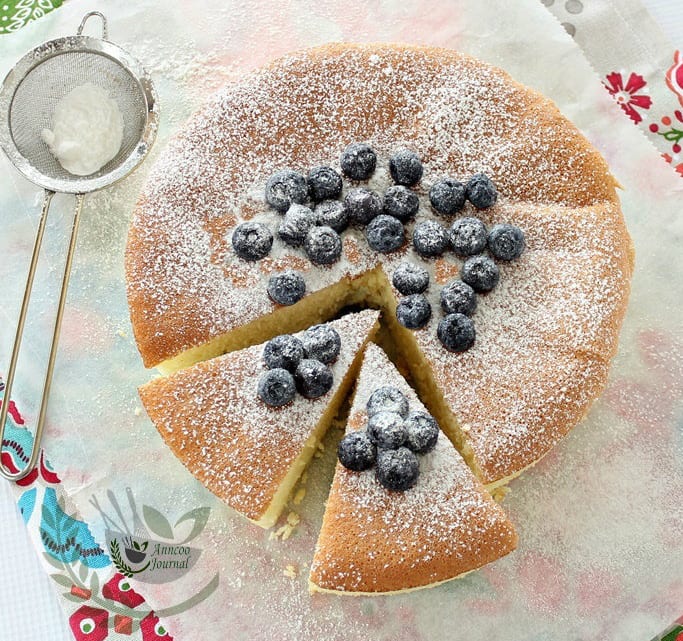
14,14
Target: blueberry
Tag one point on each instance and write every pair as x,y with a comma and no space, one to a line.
506,242
481,191
456,332
287,287
252,241
284,188
430,239
422,432
295,225
324,183
362,205
356,451
401,203
481,273
389,399
385,234
386,430
321,342
405,167
458,298
313,378
333,214
468,236
414,311
283,352
276,387
358,161
323,245
447,196
397,469
410,278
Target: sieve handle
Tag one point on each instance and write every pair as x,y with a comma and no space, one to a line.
11,475
87,16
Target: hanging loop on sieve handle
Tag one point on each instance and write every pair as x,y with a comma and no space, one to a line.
38,437
87,16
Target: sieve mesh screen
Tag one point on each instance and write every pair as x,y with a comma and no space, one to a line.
37,95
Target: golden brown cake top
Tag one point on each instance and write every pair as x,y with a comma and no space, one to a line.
213,420
185,284
377,540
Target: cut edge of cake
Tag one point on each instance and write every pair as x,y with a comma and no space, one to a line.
445,559
165,401
279,501
371,289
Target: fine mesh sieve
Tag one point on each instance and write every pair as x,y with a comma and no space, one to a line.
37,96
29,95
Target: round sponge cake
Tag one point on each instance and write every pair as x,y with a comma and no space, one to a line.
545,334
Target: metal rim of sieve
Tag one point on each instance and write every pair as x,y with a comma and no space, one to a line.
126,160
85,45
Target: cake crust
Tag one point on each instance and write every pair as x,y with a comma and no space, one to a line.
375,541
545,336
210,416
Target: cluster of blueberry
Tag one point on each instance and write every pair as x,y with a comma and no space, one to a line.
317,229
479,274
393,438
299,365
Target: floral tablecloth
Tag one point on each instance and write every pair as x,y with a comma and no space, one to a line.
593,563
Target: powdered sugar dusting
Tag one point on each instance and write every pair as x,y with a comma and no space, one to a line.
241,449
373,539
459,115
545,335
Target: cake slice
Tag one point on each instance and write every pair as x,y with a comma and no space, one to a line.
248,453
374,540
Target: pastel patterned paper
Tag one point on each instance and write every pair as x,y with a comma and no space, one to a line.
600,553
640,68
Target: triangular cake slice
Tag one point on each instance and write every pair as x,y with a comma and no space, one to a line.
375,540
246,452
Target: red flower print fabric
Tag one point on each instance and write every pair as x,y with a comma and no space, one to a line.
119,589
153,630
89,624
628,95
674,76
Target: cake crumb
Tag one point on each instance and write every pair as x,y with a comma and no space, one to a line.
299,496
500,493
320,448
290,572
121,333
286,530
293,519
137,411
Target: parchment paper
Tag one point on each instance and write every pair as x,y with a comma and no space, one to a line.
599,519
